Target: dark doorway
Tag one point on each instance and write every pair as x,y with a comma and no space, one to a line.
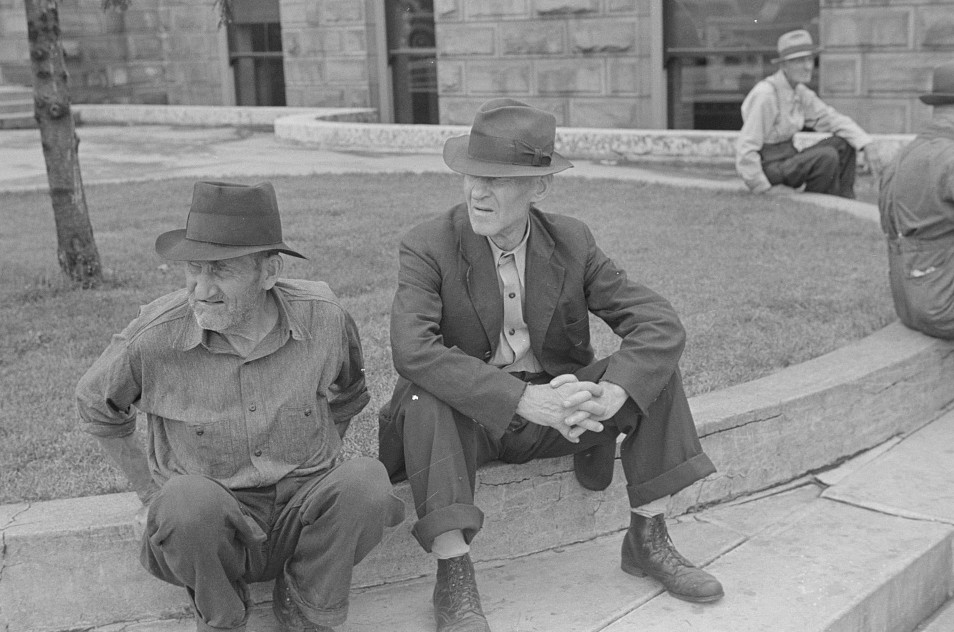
412,57
255,52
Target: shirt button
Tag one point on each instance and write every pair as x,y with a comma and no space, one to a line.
252,408
512,332
307,412
512,295
258,453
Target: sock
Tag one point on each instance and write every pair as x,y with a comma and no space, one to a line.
653,508
450,544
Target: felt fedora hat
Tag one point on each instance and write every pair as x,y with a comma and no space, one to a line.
227,221
508,138
942,90
795,44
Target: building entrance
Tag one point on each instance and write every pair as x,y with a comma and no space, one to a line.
412,59
255,52
716,51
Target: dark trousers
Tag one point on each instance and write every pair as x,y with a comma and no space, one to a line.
215,541
439,450
826,167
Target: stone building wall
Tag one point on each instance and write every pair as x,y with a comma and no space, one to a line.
14,47
328,49
879,56
587,61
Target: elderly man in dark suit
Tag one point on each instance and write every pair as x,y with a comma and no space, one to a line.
490,335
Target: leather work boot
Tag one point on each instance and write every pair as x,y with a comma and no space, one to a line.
648,550
290,618
594,466
456,600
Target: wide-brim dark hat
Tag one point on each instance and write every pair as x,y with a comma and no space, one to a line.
795,44
508,138
942,91
227,221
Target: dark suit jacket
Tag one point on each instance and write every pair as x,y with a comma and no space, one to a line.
447,315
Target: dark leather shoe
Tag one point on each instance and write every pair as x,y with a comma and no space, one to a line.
290,618
648,550
594,466
456,600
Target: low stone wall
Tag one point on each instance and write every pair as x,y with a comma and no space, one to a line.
355,129
581,143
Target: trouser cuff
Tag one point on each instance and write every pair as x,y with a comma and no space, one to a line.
202,626
468,518
329,617
679,477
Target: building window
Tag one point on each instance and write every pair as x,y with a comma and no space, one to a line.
716,50
255,53
412,57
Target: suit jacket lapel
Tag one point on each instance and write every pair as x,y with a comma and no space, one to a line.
480,274
544,280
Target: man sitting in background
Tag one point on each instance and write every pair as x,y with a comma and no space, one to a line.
781,105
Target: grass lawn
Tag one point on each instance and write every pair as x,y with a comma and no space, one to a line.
758,287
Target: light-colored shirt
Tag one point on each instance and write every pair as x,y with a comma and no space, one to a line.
505,356
246,422
773,112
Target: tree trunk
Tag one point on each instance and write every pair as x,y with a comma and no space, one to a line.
76,248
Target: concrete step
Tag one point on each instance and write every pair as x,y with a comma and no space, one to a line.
15,93
940,621
17,120
834,568
789,561
16,106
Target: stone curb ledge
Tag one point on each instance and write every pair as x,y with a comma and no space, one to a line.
355,129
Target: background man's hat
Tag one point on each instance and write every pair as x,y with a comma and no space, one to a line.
795,44
227,221
942,92
508,138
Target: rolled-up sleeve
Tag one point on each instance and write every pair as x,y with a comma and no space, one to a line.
107,393
823,118
349,392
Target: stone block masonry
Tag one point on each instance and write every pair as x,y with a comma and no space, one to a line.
878,59
326,52
587,61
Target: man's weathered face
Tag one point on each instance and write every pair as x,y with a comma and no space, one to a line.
226,294
498,207
799,70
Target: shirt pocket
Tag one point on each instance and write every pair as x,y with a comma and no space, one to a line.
203,447
299,436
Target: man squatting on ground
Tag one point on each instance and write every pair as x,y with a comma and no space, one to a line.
916,201
490,336
781,105
247,382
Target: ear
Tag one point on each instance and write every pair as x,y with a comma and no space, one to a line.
542,187
271,270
